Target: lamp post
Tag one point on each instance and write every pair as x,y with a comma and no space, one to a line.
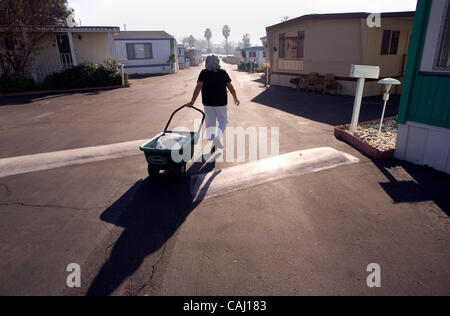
388,83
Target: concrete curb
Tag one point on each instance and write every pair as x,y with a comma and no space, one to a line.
254,173
52,160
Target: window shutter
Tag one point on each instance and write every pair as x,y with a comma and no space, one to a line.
395,38
282,46
385,45
301,44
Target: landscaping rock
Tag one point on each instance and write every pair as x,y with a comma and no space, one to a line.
384,141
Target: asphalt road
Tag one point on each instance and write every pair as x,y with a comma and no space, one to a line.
309,234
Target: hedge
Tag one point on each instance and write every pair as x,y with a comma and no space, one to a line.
86,75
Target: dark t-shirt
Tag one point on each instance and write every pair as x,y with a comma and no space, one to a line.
214,92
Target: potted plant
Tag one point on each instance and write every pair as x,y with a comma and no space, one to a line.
172,58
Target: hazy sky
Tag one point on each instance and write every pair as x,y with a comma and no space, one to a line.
183,18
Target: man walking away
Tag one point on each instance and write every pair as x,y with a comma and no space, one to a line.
213,83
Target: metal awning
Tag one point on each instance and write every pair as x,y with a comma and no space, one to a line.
81,29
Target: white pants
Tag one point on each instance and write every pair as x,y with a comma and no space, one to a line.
215,114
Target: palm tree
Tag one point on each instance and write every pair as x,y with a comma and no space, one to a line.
246,40
208,36
226,33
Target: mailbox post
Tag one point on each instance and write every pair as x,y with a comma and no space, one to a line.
362,73
122,70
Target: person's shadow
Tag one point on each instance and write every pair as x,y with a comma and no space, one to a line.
151,212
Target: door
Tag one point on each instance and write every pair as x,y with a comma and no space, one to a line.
65,54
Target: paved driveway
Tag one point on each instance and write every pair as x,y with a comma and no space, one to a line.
310,234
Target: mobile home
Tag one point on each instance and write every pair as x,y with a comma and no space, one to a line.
146,52
424,114
332,43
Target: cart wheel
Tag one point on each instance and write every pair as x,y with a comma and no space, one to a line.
180,170
183,169
152,171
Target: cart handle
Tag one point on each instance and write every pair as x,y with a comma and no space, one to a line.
179,109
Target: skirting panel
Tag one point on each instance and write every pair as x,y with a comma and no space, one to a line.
425,145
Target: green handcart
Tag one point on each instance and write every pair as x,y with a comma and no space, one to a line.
161,159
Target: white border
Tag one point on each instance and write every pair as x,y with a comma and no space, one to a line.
433,36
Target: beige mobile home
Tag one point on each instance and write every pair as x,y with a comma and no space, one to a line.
65,47
331,43
68,47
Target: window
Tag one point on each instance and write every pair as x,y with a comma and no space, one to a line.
443,55
389,46
139,51
292,45
252,54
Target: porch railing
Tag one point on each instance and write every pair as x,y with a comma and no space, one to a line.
66,60
54,64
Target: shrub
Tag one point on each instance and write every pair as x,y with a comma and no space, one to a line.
85,75
247,66
12,84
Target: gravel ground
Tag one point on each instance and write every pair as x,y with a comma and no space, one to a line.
383,142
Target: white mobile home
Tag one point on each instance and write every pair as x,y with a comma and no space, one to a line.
146,52
256,55
182,59
194,56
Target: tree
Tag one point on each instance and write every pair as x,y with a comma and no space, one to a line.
226,33
208,36
191,41
246,40
19,22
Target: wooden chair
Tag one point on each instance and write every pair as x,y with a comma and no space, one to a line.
329,83
301,83
311,81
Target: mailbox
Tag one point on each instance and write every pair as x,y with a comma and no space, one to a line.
362,73
367,72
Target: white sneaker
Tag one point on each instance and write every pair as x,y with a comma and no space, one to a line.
217,143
